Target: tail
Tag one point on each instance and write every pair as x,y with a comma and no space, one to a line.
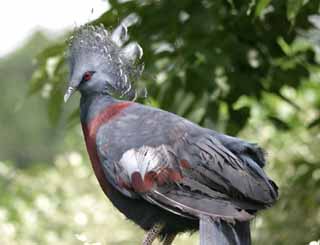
219,232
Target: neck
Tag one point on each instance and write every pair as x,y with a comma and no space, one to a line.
91,105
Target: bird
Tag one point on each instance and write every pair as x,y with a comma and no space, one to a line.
163,172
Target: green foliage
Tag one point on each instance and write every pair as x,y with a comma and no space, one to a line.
61,205
294,162
24,128
261,5
51,71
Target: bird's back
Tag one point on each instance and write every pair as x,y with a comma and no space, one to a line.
138,125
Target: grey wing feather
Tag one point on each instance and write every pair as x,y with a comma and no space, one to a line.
224,176
218,183
239,177
223,233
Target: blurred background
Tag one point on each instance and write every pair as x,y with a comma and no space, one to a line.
247,68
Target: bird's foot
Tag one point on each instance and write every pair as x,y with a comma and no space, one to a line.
152,234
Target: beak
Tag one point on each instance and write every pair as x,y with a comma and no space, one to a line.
68,93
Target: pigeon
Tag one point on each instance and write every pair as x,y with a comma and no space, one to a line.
163,172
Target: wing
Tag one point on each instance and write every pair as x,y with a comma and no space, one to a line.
196,174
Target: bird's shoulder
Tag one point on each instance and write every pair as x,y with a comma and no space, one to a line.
139,125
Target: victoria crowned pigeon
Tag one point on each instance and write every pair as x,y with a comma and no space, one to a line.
163,172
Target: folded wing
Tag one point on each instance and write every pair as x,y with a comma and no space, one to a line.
197,175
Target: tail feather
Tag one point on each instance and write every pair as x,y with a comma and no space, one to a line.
219,232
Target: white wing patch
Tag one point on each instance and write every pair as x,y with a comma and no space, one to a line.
143,160
144,167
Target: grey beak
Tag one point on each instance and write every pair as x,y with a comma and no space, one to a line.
68,93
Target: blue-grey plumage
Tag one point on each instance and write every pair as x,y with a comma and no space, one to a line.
157,167
93,49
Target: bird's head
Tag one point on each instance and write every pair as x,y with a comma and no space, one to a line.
100,64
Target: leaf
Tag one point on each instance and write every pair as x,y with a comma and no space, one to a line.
39,77
237,120
262,4
314,123
280,124
315,20
293,8
73,118
284,46
55,105
56,49
251,5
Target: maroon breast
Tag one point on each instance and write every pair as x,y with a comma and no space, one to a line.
90,133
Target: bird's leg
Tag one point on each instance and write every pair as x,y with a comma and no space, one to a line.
169,239
152,234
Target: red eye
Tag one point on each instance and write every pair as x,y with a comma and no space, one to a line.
87,76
